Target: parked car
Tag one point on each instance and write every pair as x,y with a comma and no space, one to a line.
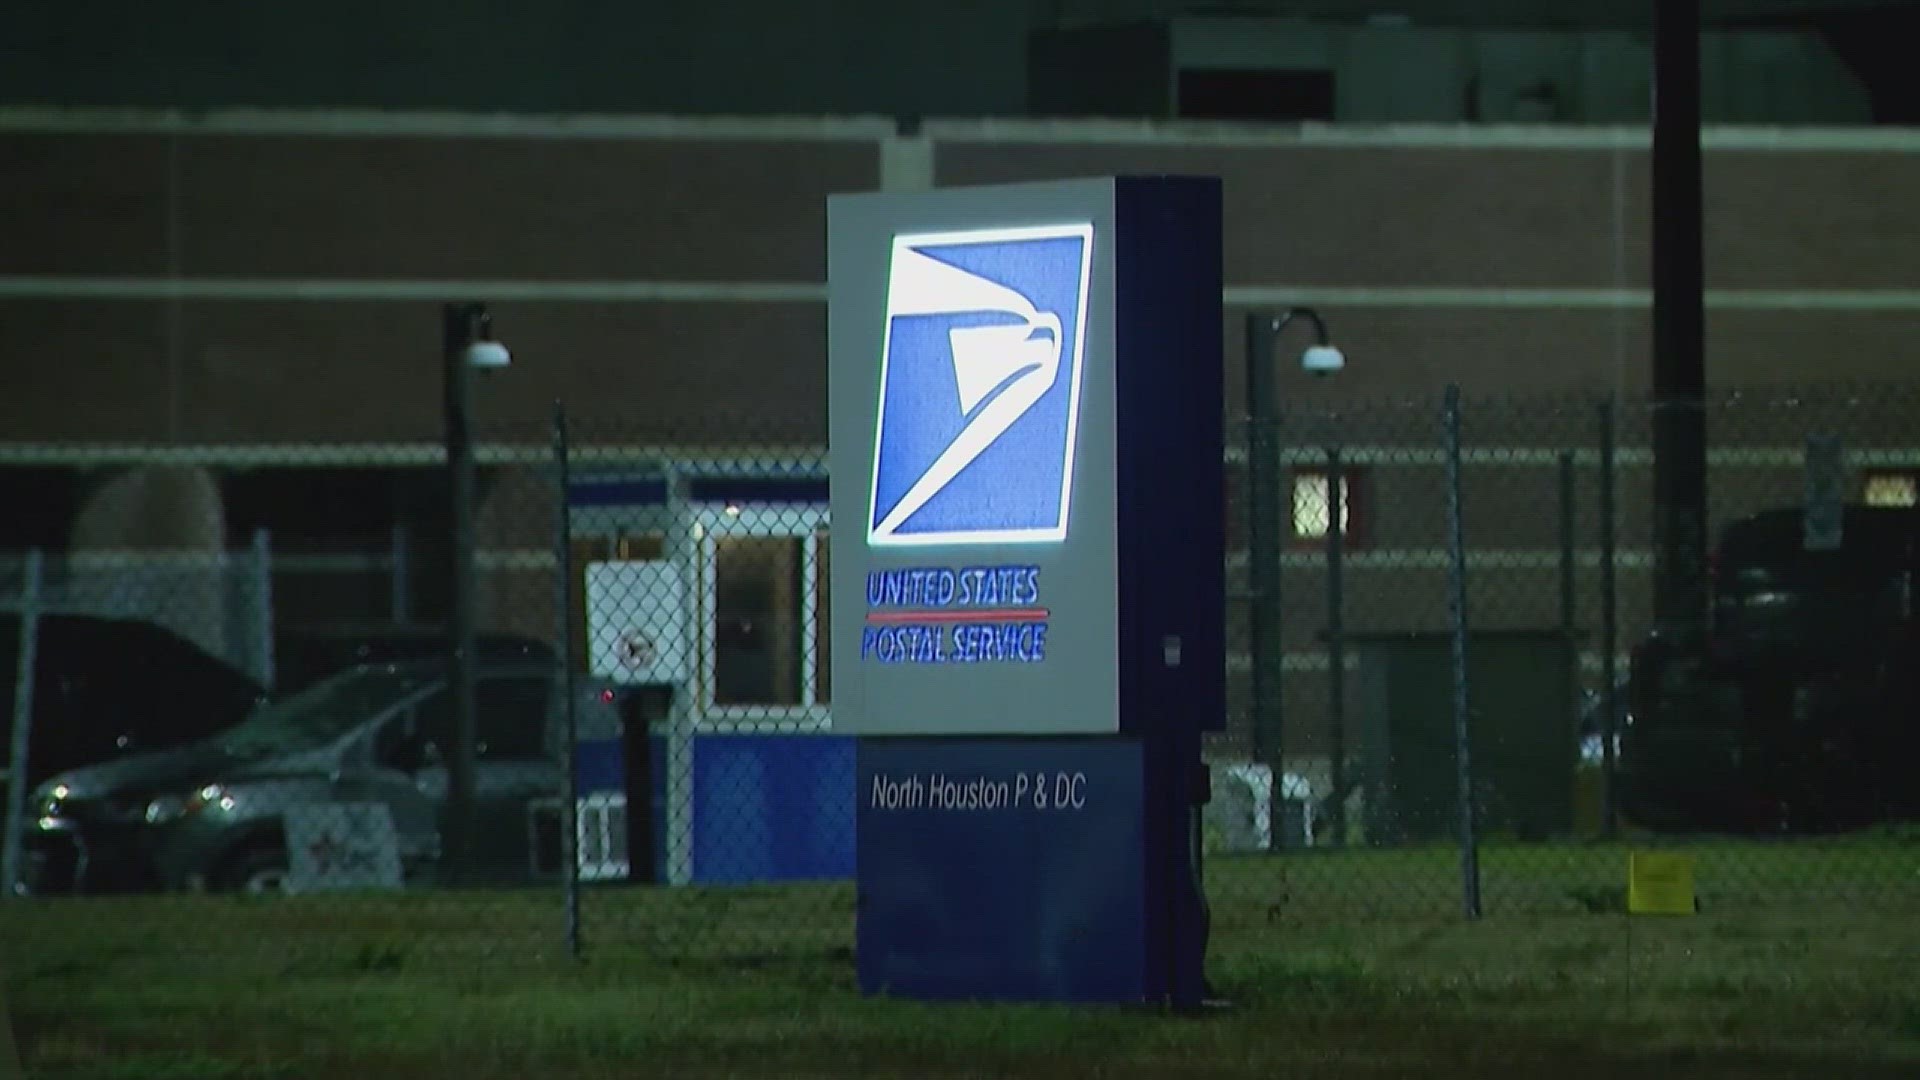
104,688
212,815
1794,710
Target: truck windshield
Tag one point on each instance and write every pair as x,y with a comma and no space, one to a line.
321,714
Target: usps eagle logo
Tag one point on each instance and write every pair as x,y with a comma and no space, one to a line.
980,386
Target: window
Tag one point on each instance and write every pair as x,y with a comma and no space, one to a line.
1892,490
757,600
761,608
1312,509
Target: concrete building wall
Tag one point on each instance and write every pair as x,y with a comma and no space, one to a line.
272,280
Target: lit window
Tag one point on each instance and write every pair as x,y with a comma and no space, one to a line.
1892,489
1312,509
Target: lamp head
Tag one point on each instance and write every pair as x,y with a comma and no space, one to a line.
483,352
1322,360
487,355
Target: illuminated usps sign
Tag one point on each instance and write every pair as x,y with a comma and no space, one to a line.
1025,453
998,550
980,383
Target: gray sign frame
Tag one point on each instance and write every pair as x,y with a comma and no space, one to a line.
1076,688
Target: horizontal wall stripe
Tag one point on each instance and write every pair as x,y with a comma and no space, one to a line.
1406,558
745,461
352,290
780,461
1828,300
363,290
1309,661
1758,457
1415,135
1478,558
414,124
403,124
342,562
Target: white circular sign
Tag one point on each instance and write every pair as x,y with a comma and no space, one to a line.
637,650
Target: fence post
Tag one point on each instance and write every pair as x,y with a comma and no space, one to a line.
263,607
1569,609
1824,519
399,583
1609,624
1336,645
1569,593
32,574
1457,616
685,548
1263,547
563,641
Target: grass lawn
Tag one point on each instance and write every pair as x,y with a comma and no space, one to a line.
1343,964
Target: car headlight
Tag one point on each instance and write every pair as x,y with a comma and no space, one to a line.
173,807
50,801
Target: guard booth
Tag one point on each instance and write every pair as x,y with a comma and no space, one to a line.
702,581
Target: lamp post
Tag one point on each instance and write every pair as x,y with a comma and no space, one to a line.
466,344
1264,501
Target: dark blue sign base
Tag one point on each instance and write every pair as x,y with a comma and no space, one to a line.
1022,869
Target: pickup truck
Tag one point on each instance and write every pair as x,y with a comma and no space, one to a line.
1795,710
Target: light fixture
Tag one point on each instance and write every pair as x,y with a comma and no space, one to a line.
488,354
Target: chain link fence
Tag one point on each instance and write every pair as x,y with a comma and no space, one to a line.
1755,745
653,784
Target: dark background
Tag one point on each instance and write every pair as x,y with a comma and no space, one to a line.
909,58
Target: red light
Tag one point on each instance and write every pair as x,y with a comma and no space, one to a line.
606,696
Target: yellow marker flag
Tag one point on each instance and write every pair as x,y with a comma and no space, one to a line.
1660,883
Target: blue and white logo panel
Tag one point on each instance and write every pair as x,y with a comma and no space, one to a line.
980,386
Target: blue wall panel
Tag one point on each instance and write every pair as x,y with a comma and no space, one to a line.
766,808
772,808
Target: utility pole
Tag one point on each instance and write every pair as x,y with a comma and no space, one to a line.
1679,323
